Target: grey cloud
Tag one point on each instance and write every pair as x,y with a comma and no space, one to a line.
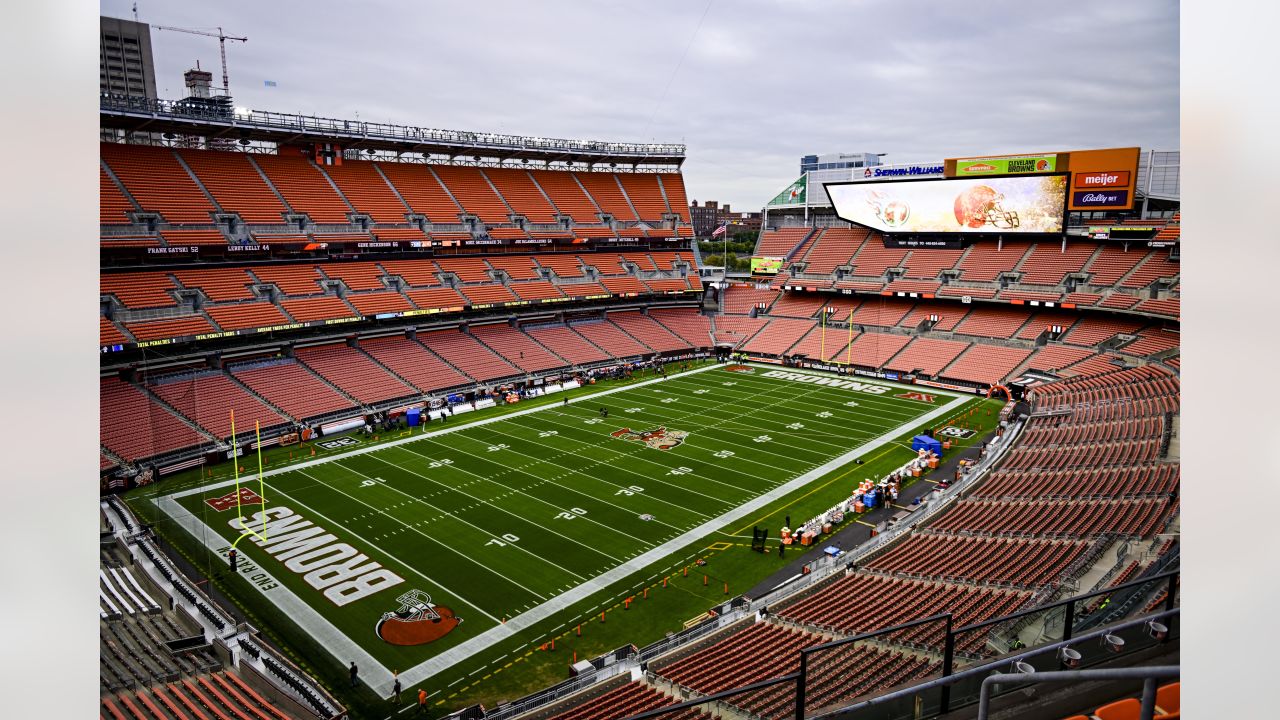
764,81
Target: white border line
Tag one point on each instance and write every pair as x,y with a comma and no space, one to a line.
379,677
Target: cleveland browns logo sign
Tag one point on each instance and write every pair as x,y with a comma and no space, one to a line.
417,622
658,438
228,501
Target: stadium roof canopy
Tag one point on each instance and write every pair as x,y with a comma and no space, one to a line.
135,114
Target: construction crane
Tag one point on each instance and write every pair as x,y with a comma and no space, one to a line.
222,46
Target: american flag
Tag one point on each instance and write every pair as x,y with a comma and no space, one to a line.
724,228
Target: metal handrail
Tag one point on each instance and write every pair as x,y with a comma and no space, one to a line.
1148,674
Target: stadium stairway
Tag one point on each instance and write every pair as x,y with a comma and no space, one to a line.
199,183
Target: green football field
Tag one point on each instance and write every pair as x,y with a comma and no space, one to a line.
507,522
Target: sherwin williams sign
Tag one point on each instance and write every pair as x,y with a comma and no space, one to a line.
765,265
960,205
1021,165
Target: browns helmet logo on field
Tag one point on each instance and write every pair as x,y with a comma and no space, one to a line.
228,501
659,438
418,621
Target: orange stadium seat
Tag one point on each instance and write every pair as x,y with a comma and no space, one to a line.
520,192
367,191
607,193
156,180
236,185
113,206
304,187
470,188
645,194
422,191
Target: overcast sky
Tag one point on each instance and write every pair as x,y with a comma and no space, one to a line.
748,85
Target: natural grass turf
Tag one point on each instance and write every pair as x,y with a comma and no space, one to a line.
519,489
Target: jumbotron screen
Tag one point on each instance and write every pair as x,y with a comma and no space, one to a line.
1023,204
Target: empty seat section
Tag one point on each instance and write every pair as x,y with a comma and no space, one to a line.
926,355
1007,560
418,273
134,427
367,191
246,315
291,387
468,355
1056,357
518,267
188,236
567,195
881,311
605,262
291,279
304,187
569,345
375,303
1120,301
356,275
874,349
351,370
824,346
108,333
317,308
993,321
734,330
927,263
113,206
175,327
236,185
1157,266
740,299
646,330
1152,341
949,315
420,188
437,298
673,184
219,284
470,188
1172,307
626,285
645,195
156,180
413,362
778,336
516,347
666,285
798,305
492,294
1113,263
538,290
1046,320
578,290
565,266
468,269
138,289
692,326
604,189
986,364
874,258
210,397
611,339
777,243
1048,264
1078,518
630,699
670,260
1091,330
834,248
517,188
986,260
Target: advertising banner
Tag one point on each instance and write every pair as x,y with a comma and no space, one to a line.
765,265
904,170
793,195
1103,179
1007,165
1010,205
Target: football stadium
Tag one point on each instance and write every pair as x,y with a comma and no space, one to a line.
399,420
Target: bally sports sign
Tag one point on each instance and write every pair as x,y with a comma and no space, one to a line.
337,569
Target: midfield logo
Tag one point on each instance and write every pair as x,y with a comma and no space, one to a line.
740,368
917,396
418,621
658,438
228,501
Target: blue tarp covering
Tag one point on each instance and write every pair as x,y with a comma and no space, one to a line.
927,443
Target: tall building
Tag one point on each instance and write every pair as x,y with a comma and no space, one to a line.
124,58
710,215
837,161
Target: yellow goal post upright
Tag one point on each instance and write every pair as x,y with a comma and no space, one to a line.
262,492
